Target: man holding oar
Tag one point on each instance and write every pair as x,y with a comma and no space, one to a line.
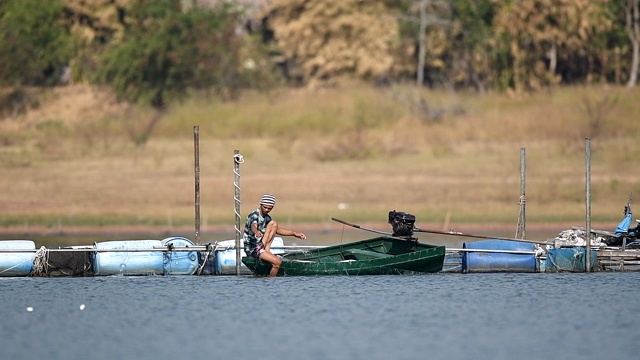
259,231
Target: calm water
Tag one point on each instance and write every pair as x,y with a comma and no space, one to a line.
441,316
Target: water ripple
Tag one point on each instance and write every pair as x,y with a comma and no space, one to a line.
452,316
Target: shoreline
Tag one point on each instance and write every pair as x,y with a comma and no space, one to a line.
44,231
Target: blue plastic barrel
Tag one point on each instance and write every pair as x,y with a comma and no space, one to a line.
17,263
571,259
180,262
503,261
124,262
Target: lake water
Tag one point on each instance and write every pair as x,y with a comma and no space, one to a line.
437,316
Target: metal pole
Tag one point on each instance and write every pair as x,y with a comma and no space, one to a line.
522,225
588,224
196,167
237,160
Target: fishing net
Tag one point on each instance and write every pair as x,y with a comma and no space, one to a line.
69,263
576,237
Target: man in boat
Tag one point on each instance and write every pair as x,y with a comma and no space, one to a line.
259,231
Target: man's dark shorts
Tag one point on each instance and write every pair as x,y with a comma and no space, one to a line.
256,251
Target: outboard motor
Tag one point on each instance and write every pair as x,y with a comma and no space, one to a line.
402,223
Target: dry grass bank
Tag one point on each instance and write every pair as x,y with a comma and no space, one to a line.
353,153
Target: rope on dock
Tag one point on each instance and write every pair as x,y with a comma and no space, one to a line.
210,250
573,262
41,263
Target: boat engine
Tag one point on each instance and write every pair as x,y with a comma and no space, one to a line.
402,223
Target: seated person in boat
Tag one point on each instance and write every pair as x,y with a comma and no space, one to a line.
259,231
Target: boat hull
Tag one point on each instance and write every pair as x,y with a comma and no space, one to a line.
378,256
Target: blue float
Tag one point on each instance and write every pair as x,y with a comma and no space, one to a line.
571,259
129,258
179,262
17,263
508,256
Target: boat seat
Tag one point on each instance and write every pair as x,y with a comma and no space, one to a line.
365,254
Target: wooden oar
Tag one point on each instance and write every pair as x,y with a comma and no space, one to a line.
456,233
372,230
360,227
451,233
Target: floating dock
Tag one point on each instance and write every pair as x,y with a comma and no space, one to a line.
619,259
180,256
170,256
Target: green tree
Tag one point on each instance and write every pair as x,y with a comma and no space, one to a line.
167,50
35,42
471,51
95,23
550,41
633,30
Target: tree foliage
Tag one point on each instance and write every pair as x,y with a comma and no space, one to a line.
632,12
550,40
35,42
335,38
165,51
470,47
496,44
154,51
96,24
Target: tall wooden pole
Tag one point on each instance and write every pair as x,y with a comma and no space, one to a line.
522,226
196,167
588,189
237,160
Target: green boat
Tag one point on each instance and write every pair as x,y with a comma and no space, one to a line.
383,255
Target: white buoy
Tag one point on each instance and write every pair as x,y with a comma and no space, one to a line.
81,307
29,309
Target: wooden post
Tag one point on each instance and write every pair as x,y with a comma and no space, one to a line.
237,160
588,195
522,226
196,167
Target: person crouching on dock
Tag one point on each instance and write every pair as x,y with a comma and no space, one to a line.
259,231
